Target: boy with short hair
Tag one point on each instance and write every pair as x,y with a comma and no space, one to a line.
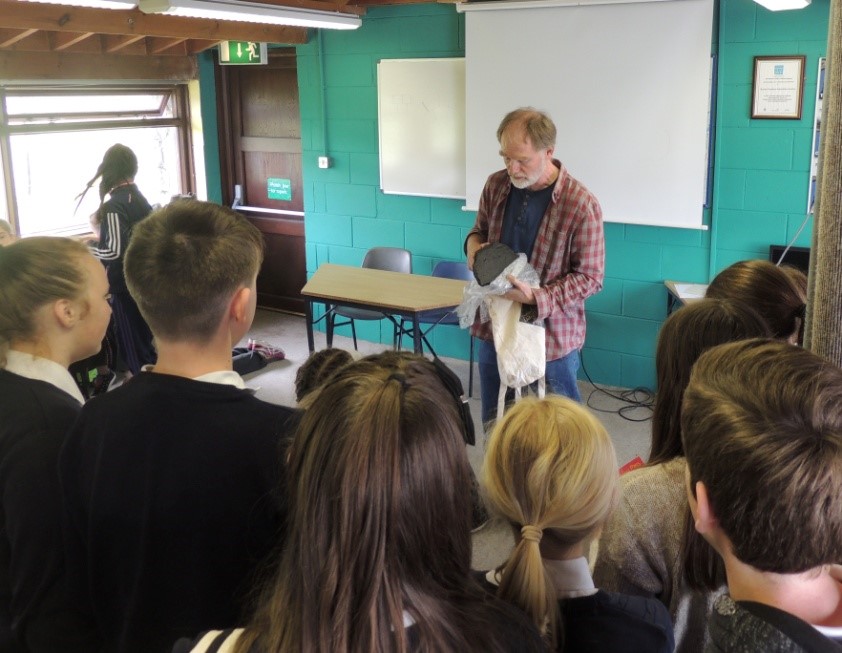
171,481
762,430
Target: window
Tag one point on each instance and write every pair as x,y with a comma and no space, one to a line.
56,139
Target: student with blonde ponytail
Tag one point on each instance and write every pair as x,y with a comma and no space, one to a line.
551,472
53,311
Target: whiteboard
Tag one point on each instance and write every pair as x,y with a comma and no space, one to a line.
626,83
421,125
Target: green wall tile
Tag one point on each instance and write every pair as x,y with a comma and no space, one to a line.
352,135
638,261
403,207
345,255
350,101
796,25
771,190
688,264
626,335
453,342
450,212
433,240
737,20
645,300
426,34
614,231
609,299
735,105
637,372
732,189
348,70
801,147
422,264
728,257
757,149
794,224
338,173
312,256
350,199
603,366
377,232
662,235
365,168
749,230
328,229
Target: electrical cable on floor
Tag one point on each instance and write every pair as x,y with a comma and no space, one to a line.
636,398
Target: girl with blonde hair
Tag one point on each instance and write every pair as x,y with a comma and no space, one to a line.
551,472
53,311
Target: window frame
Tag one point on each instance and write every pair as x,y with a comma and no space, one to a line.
98,121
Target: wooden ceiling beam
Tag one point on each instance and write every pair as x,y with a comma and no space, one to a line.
112,43
8,37
52,66
20,14
64,40
196,46
156,45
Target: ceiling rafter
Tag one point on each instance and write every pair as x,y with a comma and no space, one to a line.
8,37
112,43
155,45
64,40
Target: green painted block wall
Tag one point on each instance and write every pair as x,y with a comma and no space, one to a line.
761,170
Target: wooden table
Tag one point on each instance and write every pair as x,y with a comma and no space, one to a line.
395,293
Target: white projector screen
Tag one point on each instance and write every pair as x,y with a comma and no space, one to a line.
628,86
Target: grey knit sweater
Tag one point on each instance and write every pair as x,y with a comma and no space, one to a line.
640,550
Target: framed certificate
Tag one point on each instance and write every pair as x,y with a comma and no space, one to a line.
778,87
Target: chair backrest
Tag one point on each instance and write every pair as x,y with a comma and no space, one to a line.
453,270
393,259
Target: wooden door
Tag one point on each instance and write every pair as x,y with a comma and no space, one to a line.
260,152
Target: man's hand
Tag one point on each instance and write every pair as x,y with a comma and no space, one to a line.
474,245
521,293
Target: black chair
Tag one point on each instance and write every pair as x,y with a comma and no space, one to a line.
434,317
393,259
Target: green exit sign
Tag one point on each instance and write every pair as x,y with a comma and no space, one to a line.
243,53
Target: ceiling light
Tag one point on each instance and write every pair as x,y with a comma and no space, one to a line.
95,4
780,5
251,12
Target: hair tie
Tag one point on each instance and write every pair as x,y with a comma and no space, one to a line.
400,378
532,533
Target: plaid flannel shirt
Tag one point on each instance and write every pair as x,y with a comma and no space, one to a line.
569,256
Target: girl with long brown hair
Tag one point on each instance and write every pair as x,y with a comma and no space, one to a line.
378,550
644,545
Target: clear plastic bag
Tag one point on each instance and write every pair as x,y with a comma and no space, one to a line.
474,294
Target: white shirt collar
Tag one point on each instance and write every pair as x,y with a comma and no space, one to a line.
571,578
43,369
222,377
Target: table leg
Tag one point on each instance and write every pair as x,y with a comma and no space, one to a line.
416,335
308,316
329,325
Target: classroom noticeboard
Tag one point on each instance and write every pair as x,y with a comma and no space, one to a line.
421,125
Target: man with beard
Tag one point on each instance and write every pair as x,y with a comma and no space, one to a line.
535,207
